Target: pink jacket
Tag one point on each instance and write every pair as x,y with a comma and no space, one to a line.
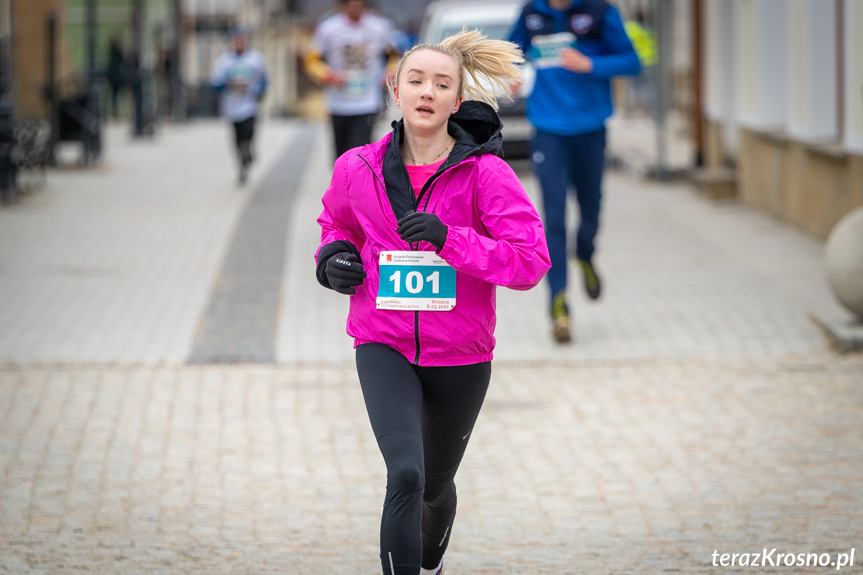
495,237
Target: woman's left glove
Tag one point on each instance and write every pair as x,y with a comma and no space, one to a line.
422,226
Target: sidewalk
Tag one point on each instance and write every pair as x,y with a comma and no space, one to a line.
119,263
177,394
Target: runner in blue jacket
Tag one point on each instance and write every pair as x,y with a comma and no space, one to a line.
576,46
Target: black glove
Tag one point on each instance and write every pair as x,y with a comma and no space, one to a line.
344,272
422,226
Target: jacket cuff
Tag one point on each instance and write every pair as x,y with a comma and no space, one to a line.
328,251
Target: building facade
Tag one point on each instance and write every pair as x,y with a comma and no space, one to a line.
783,104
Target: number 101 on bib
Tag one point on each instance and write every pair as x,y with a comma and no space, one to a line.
415,281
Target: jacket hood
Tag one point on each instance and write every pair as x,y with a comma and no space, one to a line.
476,128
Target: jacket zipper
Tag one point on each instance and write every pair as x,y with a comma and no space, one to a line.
416,312
416,204
417,336
427,188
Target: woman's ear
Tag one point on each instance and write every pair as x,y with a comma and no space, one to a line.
457,104
396,94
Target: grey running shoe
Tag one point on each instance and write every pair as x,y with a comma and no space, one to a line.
560,315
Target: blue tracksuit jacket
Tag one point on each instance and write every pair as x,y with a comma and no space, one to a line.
564,102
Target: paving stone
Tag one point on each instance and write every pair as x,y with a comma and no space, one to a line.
699,408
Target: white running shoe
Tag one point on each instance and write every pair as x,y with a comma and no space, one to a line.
436,571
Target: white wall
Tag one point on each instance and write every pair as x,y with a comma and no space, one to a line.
773,66
853,72
761,89
811,73
682,32
721,54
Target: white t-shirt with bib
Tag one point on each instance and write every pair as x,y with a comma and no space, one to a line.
358,51
245,76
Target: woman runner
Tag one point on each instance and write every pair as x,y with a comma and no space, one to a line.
420,228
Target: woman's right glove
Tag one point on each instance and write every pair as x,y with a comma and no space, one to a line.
422,226
344,272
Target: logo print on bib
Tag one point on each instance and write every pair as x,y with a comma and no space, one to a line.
581,23
534,22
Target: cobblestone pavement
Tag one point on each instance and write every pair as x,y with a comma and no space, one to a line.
580,467
699,409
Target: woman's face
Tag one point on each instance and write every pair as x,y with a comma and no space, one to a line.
427,90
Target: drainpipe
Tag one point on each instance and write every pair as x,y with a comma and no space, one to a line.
92,144
51,83
697,121
7,104
136,72
178,102
660,25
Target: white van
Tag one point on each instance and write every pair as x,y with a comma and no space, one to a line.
495,18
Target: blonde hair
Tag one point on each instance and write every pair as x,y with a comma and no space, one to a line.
491,65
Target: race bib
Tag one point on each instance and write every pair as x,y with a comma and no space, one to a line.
545,50
356,83
415,281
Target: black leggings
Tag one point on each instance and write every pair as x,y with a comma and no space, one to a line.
244,132
422,418
352,131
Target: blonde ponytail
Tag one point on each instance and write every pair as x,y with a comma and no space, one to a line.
487,67
492,65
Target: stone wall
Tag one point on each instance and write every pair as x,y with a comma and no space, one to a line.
807,185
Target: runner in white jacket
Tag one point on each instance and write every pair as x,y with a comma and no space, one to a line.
240,77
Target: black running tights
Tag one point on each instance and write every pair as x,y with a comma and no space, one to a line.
422,418
352,131
244,132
